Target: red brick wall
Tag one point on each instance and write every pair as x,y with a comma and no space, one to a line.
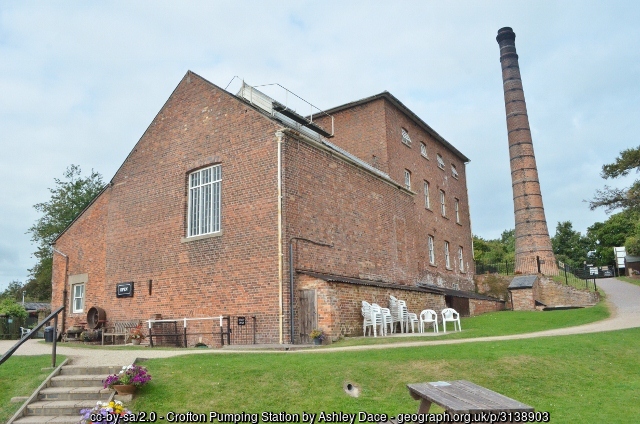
552,293
140,221
478,306
339,304
523,300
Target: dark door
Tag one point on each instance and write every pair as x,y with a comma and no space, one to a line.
308,314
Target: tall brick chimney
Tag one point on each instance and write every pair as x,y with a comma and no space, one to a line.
532,234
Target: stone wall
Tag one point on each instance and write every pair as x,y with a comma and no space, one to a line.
551,293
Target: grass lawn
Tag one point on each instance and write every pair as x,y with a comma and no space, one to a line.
583,378
20,376
500,324
635,281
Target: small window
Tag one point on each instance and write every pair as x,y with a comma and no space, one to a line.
407,179
457,207
440,161
454,172
78,298
460,259
432,255
423,149
447,261
405,137
443,208
204,201
427,202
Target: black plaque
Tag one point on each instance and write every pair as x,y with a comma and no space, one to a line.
124,289
242,321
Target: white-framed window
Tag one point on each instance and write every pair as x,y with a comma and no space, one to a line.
77,291
423,149
454,171
427,202
460,259
440,161
432,253
443,208
407,179
204,201
447,261
457,208
405,137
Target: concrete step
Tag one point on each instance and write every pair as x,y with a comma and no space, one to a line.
74,393
78,381
51,419
59,407
80,370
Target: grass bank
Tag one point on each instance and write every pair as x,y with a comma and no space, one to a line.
635,281
583,378
20,376
499,324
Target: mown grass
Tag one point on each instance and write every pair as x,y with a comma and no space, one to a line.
583,378
499,324
20,376
635,281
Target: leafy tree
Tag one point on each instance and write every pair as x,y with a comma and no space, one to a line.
569,245
69,197
615,198
11,308
604,236
495,251
13,291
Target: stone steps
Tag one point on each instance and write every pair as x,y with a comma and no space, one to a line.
73,389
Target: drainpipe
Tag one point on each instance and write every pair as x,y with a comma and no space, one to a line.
292,279
280,135
64,291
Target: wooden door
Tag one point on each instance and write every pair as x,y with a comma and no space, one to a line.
308,316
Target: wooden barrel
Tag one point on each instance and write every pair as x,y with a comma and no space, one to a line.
96,317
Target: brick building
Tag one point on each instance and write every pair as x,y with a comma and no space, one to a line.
222,192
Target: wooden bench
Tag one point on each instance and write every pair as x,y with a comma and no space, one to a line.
464,397
119,328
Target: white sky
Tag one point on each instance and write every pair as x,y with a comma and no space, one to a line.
81,81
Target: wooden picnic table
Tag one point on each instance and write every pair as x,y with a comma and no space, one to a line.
462,397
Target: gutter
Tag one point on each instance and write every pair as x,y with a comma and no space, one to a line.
64,290
279,136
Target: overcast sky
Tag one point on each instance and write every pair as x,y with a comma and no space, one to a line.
80,82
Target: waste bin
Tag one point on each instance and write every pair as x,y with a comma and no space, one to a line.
48,334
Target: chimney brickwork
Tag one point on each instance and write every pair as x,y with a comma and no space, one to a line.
531,232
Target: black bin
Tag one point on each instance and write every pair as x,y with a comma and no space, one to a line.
48,334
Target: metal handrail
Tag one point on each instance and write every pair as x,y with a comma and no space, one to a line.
54,316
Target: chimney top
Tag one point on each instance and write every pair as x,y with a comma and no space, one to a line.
505,33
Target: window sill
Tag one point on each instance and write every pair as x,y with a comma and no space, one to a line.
459,224
426,157
448,269
429,209
433,265
202,237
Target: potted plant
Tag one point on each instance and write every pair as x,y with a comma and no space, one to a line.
128,379
103,410
136,335
317,336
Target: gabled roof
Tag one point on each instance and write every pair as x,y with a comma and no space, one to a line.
398,104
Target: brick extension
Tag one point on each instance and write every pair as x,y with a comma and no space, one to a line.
135,230
531,232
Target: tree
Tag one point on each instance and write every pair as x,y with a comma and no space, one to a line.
11,308
569,245
615,198
604,236
13,291
495,251
69,197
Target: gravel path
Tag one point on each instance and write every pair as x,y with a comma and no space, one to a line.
623,299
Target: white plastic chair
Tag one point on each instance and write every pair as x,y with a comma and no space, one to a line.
366,316
450,315
24,331
377,319
388,320
403,316
393,307
427,316
413,320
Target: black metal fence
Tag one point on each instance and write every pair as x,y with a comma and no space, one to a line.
580,277
238,330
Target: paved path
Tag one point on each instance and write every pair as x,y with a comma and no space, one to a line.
623,299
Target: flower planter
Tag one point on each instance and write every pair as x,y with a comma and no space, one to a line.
317,342
135,342
124,389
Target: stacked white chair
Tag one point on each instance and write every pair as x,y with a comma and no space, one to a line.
366,316
450,315
403,316
388,320
428,316
393,307
377,319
